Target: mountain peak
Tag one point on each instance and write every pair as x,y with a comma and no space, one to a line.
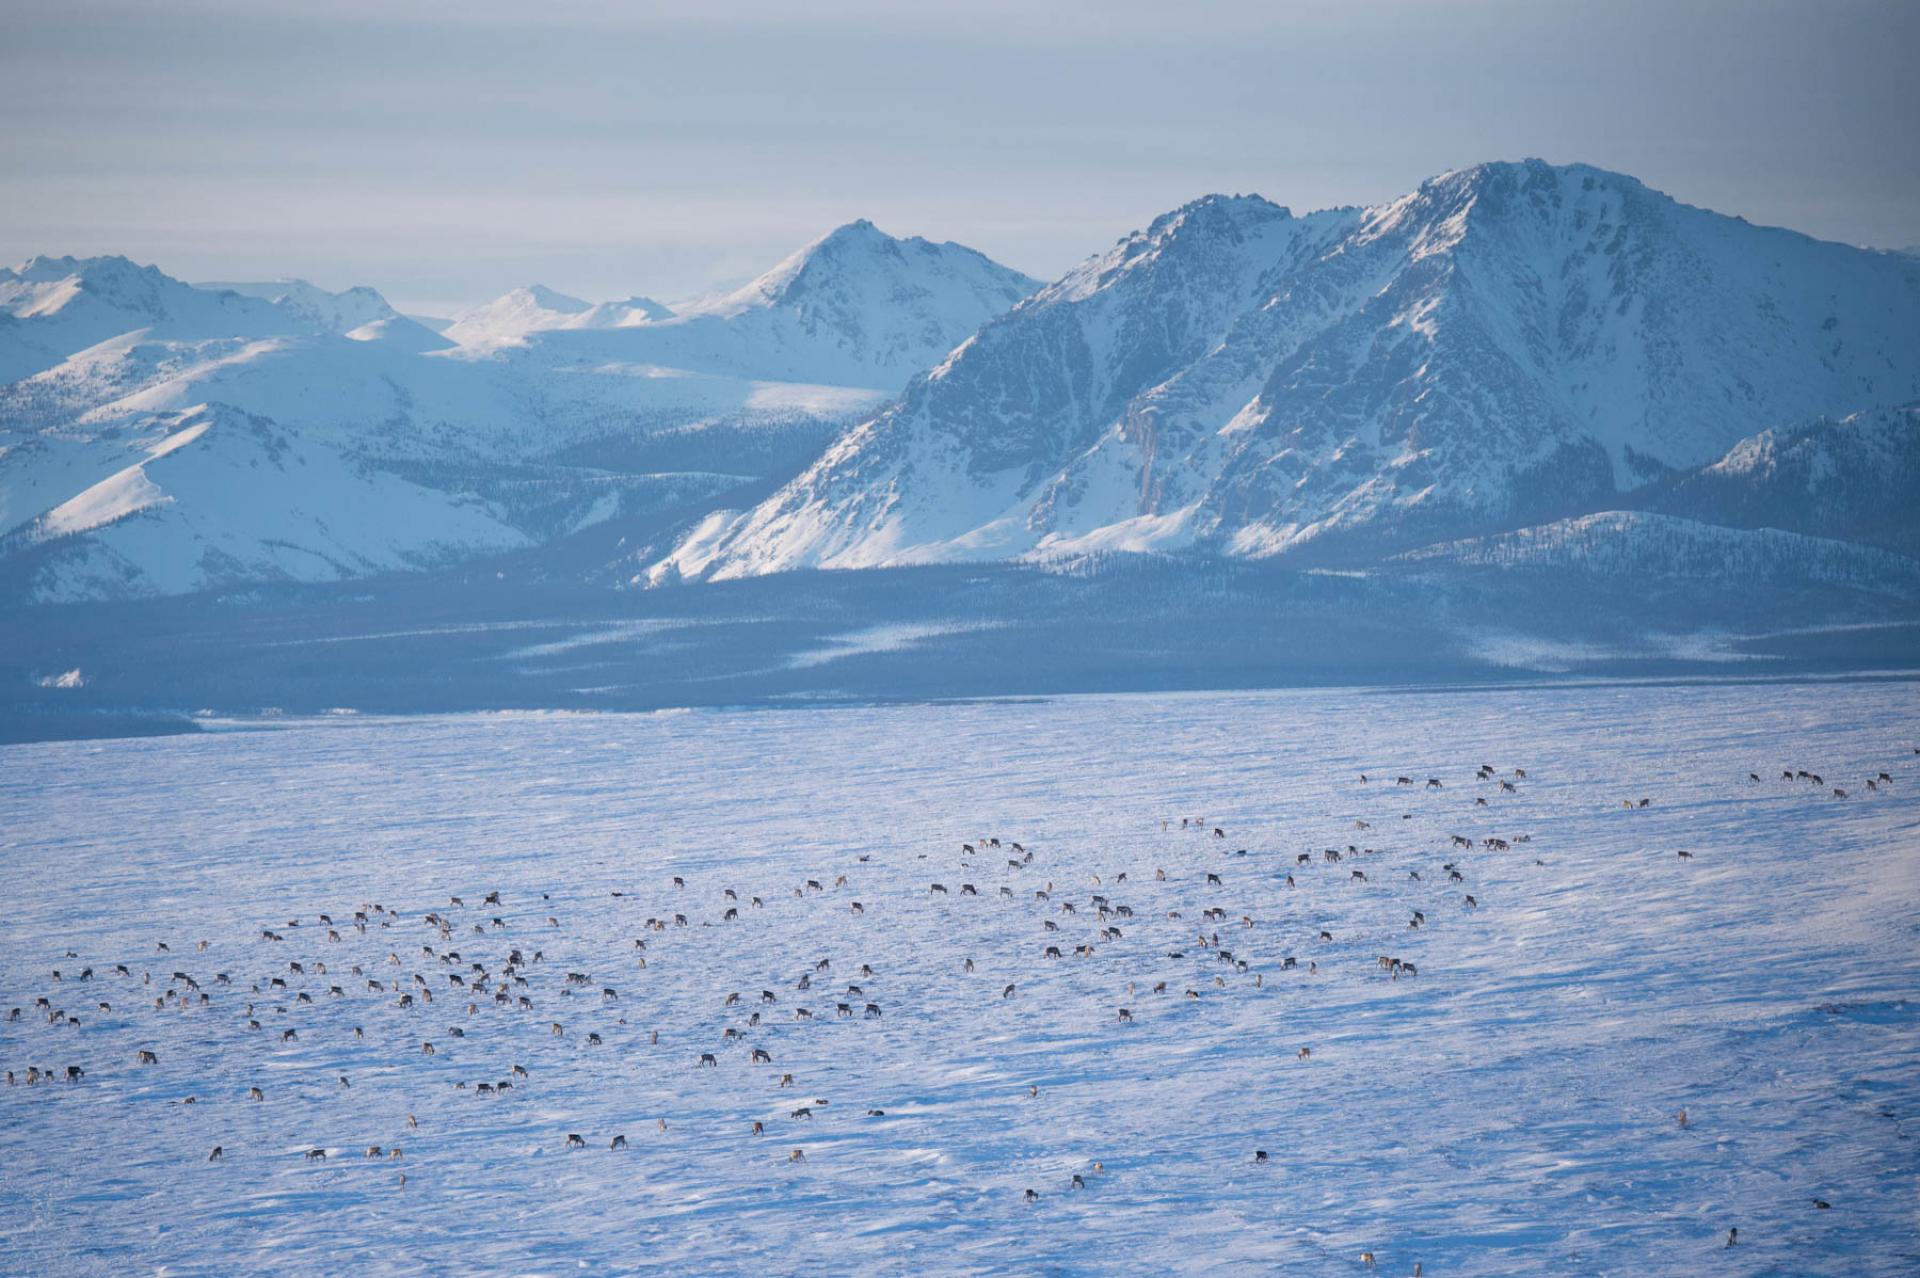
339,312
1204,240
646,307
1529,197
1510,340
114,290
858,258
548,299
857,231
840,247
1220,212
110,276
1531,172
507,319
44,267
72,304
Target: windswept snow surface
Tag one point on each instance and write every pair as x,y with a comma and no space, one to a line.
1509,1110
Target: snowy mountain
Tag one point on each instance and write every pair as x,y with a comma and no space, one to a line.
511,316
1515,364
52,308
625,313
856,307
157,438
508,319
881,303
212,495
1508,344
359,313
334,312
327,457
1857,479
1644,547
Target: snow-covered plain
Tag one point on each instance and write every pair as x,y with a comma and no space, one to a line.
1509,1110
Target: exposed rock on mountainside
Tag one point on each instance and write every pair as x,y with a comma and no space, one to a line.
1509,343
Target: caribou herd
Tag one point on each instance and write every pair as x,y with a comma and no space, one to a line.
478,976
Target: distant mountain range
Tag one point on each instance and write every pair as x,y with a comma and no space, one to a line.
536,308
1517,372
1509,344
157,437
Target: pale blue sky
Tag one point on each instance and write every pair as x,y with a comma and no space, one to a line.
444,152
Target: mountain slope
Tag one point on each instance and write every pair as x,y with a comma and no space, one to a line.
1509,343
333,457
509,318
54,307
331,312
1857,479
359,313
311,436
1645,547
856,307
215,496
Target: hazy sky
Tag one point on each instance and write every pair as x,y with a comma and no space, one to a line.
445,152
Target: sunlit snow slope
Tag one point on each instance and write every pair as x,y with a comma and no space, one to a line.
1509,344
339,438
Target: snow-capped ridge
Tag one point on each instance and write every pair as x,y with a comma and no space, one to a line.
1214,213
515,313
1856,478
331,312
510,318
1507,347
340,451
1644,546
402,332
844,258
551,299
1509,342
638,309
52,308
856,307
